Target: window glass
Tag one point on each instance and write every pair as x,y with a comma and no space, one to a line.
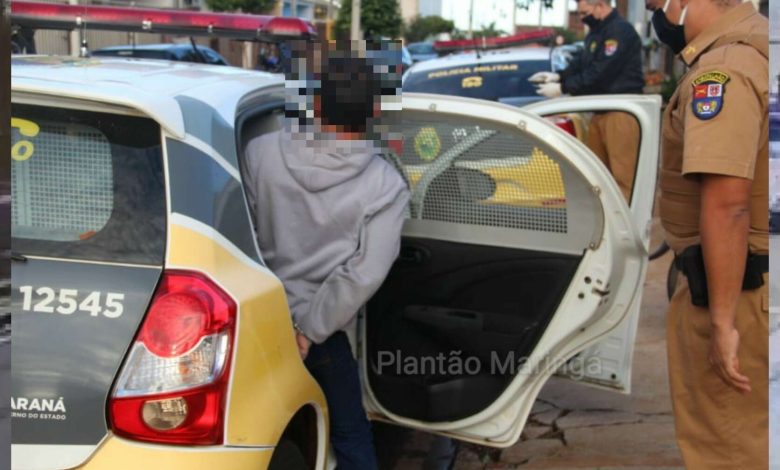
86,185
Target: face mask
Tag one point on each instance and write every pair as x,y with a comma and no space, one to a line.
591,21
668,33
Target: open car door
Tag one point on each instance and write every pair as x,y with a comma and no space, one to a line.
616,351
519,253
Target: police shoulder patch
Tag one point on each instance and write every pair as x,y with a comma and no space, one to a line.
708,91
610,47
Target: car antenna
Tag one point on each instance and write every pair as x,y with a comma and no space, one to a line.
84,49
197,51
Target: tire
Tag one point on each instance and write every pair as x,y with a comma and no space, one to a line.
671,280
288,456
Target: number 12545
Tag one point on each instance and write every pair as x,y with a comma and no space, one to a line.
68,301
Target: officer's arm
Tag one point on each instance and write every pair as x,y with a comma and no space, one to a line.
353,283
589,79
724,224
575,65
725,108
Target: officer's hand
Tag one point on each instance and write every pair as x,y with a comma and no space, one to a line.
544,77
304,344
550,90
724,345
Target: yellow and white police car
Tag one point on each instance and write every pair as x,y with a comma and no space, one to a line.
148,333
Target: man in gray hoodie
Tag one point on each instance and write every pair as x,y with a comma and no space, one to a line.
329,213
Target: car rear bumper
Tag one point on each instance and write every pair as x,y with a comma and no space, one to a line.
120,454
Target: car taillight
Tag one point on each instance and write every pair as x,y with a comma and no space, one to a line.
564,123
173,385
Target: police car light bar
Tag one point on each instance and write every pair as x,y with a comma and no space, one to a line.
149,20
527,37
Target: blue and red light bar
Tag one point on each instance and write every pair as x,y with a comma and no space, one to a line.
150,20
519,39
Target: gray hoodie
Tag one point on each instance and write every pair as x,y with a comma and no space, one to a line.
328,223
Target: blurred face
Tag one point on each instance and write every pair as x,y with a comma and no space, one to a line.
584,9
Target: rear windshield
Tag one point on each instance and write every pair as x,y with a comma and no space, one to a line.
137,53
86,185
421,49
484,81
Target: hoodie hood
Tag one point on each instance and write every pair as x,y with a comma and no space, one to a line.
325,162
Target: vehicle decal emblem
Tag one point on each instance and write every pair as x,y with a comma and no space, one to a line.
471,82
427,144
23,149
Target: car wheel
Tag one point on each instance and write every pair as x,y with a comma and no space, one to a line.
671,280
288,456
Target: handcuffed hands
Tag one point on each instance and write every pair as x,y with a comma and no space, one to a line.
303,343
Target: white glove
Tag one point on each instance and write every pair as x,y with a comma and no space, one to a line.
544,77
550,90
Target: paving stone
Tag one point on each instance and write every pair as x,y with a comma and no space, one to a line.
644,444
581,419
540,407
464,466
532,431
548,417
525,451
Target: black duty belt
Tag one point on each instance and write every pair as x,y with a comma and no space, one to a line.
755,263
691,263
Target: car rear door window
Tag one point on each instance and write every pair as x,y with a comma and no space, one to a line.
87,185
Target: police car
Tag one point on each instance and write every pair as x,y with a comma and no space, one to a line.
494,74
148,332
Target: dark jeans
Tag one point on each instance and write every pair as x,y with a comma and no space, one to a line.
335,369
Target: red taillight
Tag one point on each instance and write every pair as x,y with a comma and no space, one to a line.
564,123
173,386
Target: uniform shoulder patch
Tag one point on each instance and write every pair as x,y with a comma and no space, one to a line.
610,47
708,91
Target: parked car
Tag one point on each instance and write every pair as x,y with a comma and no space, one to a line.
495,75
774,167
406,59
178,52
422,51
148,332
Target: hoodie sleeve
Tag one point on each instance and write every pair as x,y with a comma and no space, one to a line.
353,283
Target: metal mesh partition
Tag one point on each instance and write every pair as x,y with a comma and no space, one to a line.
475,175
63,190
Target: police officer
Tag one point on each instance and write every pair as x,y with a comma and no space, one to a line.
611,63
713,206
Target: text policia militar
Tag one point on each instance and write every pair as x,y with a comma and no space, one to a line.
456,363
